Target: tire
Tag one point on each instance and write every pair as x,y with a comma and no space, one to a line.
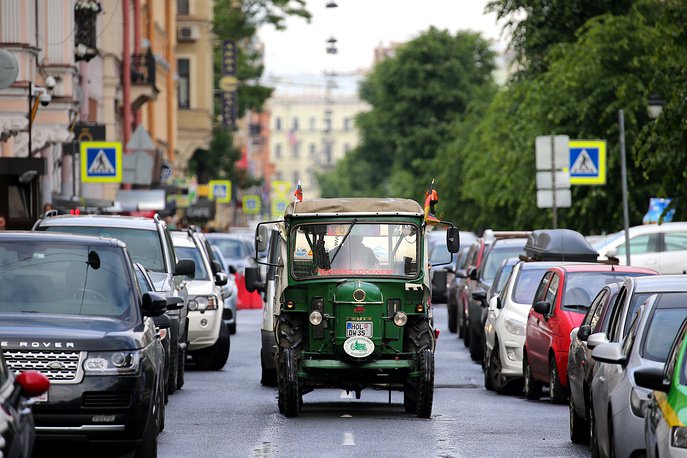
148,446
425,385
487,374
579,428
161,416
532,387
419,335
476,350
232,328
452,318
466,332
557,392
289,386
493,371
181,368
173,364
268,376
214,358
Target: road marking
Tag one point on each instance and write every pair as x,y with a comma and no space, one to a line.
345,395
348,439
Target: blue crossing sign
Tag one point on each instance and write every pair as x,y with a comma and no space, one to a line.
220,191
279,207
101,162
587,162
251,204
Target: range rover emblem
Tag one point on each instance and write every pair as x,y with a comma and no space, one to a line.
55,365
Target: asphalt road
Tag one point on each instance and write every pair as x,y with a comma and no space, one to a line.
228,413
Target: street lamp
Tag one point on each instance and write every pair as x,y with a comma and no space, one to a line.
623,176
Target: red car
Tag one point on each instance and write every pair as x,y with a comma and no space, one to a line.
560,303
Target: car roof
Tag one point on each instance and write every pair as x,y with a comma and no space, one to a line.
58,237
498,243
359,205
132,222
592,267
660,283
540,265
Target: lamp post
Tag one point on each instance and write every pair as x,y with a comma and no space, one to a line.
623,175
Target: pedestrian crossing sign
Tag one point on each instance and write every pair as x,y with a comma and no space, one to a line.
587,162
220,191
251,204
101,162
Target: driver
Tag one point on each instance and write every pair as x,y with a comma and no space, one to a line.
354,255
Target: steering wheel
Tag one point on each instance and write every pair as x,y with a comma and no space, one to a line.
96,295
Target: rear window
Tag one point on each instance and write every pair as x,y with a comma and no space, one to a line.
526,285
496,256
582,287
144,246
231,248
669,312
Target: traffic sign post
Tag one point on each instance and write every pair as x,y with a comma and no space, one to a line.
553,178
101,162
587,162
220,191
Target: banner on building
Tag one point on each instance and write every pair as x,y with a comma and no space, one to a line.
229,84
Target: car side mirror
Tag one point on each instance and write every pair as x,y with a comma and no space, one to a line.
651,378
542,307
221,279
584,332
453,239
480,296
254,280
472,273
232,269
185,267
153,304
611,353
261,239
216,267
596,339
175,303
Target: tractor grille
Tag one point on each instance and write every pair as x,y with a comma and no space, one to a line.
58,366
99,399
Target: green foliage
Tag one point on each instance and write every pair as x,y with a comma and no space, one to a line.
416,97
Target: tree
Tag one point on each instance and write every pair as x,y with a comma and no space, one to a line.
415,96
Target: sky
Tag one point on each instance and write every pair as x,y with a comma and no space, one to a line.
296,58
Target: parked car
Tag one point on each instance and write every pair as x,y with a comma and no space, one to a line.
76,299
230,292
238,250
662,247
148,243
665,433
16,421
208,335
504,329
560,303
455,291
442,262
481,279
617,403
581,365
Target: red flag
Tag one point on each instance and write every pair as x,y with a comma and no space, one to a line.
431,198
299,192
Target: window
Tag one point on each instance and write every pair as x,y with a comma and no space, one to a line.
640,244
347,124
552,290
296,149
526,285
277,150
312,148
182,7
668,314
277,123
675,241
183,68
541,289
294,124
312,123
592,316
630,339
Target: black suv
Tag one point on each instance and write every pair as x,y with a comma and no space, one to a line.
70,307
150,245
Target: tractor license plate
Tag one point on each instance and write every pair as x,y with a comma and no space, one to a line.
358,328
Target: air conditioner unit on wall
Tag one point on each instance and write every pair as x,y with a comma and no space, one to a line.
188,33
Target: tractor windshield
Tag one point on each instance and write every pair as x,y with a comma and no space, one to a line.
355,249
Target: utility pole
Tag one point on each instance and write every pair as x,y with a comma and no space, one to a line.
623,177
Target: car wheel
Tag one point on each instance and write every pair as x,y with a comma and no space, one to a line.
557,392
579,428
452,318
289,389
476,350
466,332
425,385
214,358
148,446
173,365
494,369
594,438
487,372
181,368
161,414
532,387
232,328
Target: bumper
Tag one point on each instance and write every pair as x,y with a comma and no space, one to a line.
111,409
511,355
203,328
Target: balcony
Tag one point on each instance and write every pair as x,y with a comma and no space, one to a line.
143,88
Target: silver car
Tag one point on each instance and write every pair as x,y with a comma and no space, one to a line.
617,402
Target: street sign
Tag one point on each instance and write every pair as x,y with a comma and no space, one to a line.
251,204
279,206
220,191
545,181
281,188
101,162
587,162
561,154
545,198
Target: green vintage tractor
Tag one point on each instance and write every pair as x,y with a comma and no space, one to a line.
349,299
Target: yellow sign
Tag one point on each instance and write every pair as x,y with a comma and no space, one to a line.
281,189
220,191
101,162
251,204
279,207
587,162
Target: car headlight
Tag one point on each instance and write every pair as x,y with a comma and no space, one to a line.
678,437
203,303
515,327
113,363
400,319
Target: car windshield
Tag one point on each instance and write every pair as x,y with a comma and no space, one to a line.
355,249
65,279
144,246
526,285
231,248
195,254
503,277
438,251
670,310
496,256
582,287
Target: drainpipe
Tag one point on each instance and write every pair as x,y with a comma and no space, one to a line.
169,56
137,46
152,128
126,73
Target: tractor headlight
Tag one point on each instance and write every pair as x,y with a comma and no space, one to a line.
515,327
315,318
678,437
400,319
112,363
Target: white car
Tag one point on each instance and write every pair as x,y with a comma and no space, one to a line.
660,247
505,327
208,335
